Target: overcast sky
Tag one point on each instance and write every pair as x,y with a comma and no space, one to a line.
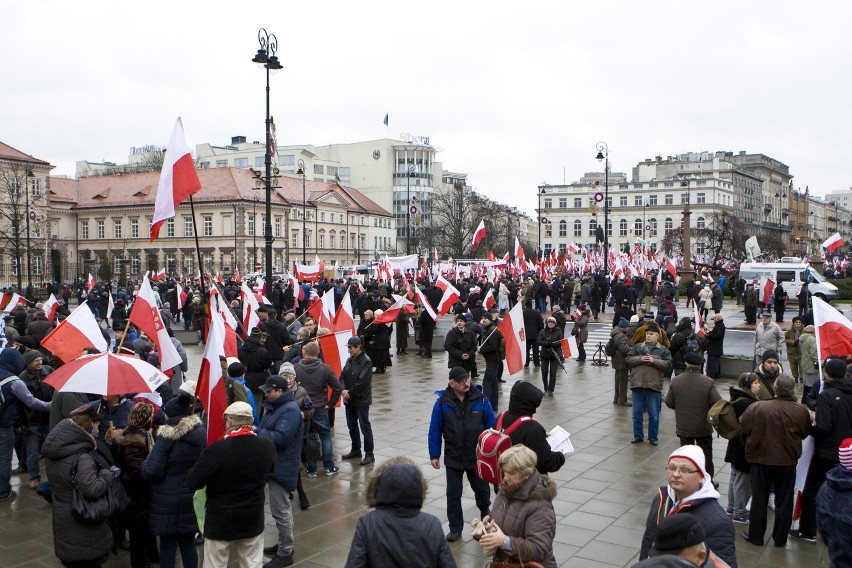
513,94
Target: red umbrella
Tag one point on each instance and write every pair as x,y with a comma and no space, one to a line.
106,374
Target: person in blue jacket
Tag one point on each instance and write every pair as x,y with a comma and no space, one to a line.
459,416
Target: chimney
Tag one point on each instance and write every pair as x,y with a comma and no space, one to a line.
237,140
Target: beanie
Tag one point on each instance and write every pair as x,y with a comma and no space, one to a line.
834,368
769,354
845,453
623,322
692,453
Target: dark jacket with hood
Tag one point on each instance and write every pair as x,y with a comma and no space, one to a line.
258,364
397,533
524,401
73,541
459,423
548,340
833,418
622,346
735,454
682,333
178,446
457,343
834,515
282,424
317,377
527,513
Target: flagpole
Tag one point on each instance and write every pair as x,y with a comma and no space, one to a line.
230,309
203,317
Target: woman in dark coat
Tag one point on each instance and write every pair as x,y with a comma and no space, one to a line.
378,336
402,333
172,516
780,302
365,333
548,342
595,299
70,441
743,394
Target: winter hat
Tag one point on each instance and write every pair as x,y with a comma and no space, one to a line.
287,369
634,319
624,323
692,453
770,354
458,374
236,369
845,453
34,354
239,408
834,367
550,319
675,533
188,387
488,316
140,415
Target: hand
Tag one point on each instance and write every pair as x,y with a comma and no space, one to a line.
344,394
647,359
436,463
465,356
493,540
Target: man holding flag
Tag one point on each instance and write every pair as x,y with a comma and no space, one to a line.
493,349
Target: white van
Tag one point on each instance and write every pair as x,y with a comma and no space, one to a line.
792,276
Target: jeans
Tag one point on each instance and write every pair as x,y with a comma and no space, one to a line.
648,400
489,382
188,552
739,492
282,514
454,494
7,445
34,434
355,417
541,304
323,428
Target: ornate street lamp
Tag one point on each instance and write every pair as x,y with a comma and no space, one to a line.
301,171
603,156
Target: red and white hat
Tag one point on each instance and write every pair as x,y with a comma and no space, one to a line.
695,455
844,453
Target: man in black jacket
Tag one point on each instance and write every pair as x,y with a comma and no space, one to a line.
493,353
256,358
357,393
275,339
460,345
533,324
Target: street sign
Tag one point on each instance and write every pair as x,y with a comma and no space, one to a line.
257,266
412,209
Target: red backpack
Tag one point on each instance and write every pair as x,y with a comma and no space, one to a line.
490,445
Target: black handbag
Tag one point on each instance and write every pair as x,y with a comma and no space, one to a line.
313,444
95,511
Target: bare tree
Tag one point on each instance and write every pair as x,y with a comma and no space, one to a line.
772,243
13,210
149,162
724,238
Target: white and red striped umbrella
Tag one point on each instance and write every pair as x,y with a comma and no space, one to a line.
105,374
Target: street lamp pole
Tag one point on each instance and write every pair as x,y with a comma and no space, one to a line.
29,254
603,155
301,170
409,171
266,56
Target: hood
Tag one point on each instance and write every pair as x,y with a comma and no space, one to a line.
396,482
525,399
131,436
180,430
706,491
808,329
839,478
250,345
617,331
737,392
67,439
11,362
843,385
310,365
685,324
536,487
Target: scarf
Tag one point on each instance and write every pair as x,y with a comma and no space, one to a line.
244,431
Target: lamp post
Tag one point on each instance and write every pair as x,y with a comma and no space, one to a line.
687,231
29,255
603,155
541,218
254,231
301,171
409,172
266,57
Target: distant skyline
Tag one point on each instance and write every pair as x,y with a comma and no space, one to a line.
512,97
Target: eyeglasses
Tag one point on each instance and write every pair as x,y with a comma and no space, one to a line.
681,470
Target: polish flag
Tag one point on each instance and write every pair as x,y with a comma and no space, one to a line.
344,319
14,301
250,306
671,268
833,243
298,292
765,286
181,296
152,398
833,330
478,235
327,314
159,276
572,248
50,306
334,349
569,347
519,250
699,325
489,300
146,316
390,314
178,179
512,328
507,256
77,332
211,385
219,278
236,276
218,304
450,297
90,283
426,305
110,307
491,256
408,291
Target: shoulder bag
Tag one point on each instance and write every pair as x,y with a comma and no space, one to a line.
95,511
521,551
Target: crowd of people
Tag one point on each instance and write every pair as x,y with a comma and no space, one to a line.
281,406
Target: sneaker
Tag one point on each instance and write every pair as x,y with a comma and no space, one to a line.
797,534
653,442
332,470
351,455
636,441
311,474
11,495
743,519
280,561
270,550
453,536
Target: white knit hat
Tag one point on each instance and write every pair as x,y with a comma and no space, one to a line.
844,453
692,453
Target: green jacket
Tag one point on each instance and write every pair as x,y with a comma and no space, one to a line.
808,348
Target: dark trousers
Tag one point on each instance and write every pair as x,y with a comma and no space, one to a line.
581,352
490,382
816,477
751,314
143,544
783,479
621,379
454,494
188,552
360,417
533,346
706,444
548,373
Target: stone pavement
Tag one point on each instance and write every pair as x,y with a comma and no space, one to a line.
605,487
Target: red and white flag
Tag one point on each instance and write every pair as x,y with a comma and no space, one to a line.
77,332
344,318
478,235
450,297
489,300
519,250
699,325
90,283
409,294
512,328
181,296
426,305
211,385
766,286
250,306
152,398
218,304
327,314
236,276
110,307
569,347
146,316
52,304
833,330
390,314
178,179
334,349
833,243
671,268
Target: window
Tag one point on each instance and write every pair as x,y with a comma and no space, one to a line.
101,231
578,228
259,161
563,202
344,173
204,166
700,223
637,201
667,225
278,226
548,231
134,228
37,265
578,203
342,241
699,248
563,228
322,216
116,266
593,226
170,228
294,238
700,198
622,201
319,169
653,223
321,240
609,228
187,227
208,226
221,163
116,228
35,187
250,229
652,200
84,230
287,160
241,162
637,227
548,203
331,170
622,228
684,198
669,199
134,265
